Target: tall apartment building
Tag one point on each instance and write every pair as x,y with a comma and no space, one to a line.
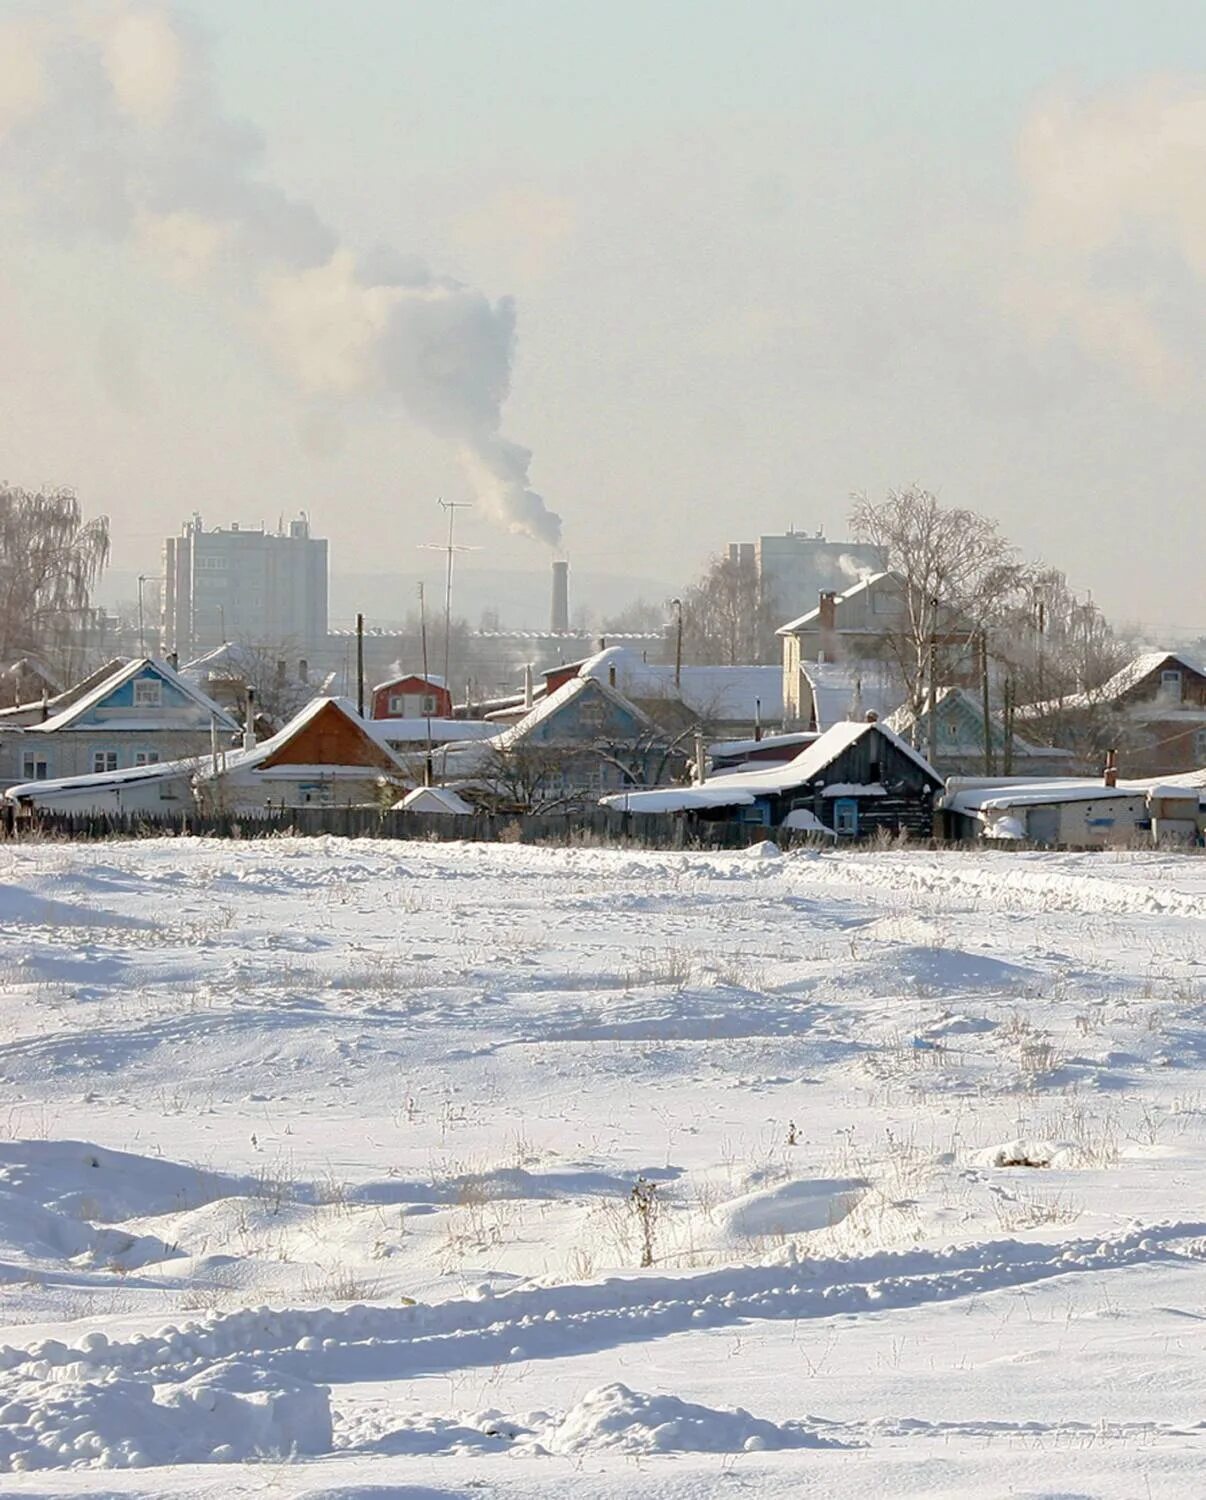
259,588
793,568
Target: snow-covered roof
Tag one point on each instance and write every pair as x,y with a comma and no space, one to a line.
735,789
1115,687
80,706
677,799
433,679
813,616
566,693
438,799
847,690
740,693
69,695
414,731
161,770
903,720
797,739
1007,793
254,758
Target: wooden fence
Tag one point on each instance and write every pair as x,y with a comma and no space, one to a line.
602,828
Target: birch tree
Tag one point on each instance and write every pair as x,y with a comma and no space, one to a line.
50,561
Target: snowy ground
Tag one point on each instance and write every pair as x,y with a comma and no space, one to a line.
316,1160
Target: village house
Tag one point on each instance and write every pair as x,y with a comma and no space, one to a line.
1078,812
581,741
411,696
278,686
853,780
324,757
725,700
862,631
140,714
1152,713
958,740
37,709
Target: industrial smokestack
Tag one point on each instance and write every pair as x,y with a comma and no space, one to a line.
560,615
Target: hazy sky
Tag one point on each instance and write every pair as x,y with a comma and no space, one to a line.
761,255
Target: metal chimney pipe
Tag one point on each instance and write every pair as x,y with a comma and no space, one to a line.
559,619
249,721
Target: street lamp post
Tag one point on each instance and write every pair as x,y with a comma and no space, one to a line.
678,643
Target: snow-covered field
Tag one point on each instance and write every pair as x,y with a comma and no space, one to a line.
317,1161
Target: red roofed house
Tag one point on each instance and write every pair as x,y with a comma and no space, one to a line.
412,697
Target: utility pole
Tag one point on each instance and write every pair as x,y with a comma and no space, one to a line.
988,768
1007,760
450,550
678,643
932,686
360,665
428,778
451,506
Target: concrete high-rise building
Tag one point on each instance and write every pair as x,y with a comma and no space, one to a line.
258,588
794,567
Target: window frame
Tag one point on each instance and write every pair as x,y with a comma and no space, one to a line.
148,692
34,759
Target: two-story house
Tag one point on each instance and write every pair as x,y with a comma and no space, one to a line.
142,713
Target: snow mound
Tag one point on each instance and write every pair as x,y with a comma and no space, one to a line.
30,1232
1031,1153
793,1207
621,1420
230,1413
108,1187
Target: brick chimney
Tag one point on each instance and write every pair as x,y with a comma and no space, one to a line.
1111,768
827,619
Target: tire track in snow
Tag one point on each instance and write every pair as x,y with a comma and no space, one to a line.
364,1343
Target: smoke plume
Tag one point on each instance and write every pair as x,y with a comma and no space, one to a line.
1114,245
109,126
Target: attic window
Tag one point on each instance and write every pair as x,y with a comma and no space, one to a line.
148,693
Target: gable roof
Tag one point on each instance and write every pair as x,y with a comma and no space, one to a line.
740,693
1122,682
433,799
69,695
739,788
903,720
338,712
432,679
848,690
123,674
813,616
551,705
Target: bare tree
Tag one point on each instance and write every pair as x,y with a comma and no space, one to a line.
525,778
957,575
725,619
50,561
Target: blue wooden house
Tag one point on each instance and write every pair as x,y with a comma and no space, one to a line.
582,741
141,714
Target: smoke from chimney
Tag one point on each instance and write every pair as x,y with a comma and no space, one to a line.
560,614
111,126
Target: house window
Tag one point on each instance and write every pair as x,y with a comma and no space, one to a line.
429,705
845,816
1199,747
146,757
34,767
397,705
104,760
148,693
